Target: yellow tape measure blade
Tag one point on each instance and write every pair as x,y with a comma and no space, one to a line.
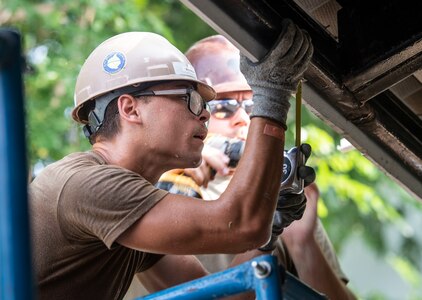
298,113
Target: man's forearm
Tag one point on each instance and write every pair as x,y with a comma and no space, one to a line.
171,270
314,270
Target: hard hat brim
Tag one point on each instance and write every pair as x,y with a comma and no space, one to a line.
233,86
207,92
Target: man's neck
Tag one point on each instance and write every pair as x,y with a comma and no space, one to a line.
121,155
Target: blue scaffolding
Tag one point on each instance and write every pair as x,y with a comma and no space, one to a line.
261,274
15,259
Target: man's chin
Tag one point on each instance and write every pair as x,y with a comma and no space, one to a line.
196,163
192,162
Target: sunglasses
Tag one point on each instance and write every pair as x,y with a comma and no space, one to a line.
226,108
194,100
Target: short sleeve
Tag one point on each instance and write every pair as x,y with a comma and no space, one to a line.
102,201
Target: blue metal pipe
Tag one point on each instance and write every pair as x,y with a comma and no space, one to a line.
260,274
15,258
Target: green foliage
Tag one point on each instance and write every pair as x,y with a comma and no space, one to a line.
59,35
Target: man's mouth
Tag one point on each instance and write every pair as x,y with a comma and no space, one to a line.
202,134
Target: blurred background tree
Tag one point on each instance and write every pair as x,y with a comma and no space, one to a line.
357,199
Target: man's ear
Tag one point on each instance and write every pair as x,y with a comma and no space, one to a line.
129,108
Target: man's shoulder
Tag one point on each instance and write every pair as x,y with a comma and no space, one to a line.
87,157
65,168
77,159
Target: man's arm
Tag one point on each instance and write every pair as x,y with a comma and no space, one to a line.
310,262
238,221
171,270
241,218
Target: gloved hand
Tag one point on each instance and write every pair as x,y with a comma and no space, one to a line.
277,75
290,207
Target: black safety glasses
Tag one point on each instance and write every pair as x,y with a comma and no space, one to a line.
226,108
194,100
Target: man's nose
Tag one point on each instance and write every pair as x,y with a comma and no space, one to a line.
240,118
204,116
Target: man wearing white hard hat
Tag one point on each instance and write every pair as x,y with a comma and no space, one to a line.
97,218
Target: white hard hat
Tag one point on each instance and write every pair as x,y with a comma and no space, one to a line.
129,62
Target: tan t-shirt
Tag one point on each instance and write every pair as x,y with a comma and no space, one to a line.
79,206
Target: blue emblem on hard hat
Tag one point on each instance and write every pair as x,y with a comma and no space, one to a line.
114,62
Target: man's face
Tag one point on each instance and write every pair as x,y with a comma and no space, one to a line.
234,125
174,134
